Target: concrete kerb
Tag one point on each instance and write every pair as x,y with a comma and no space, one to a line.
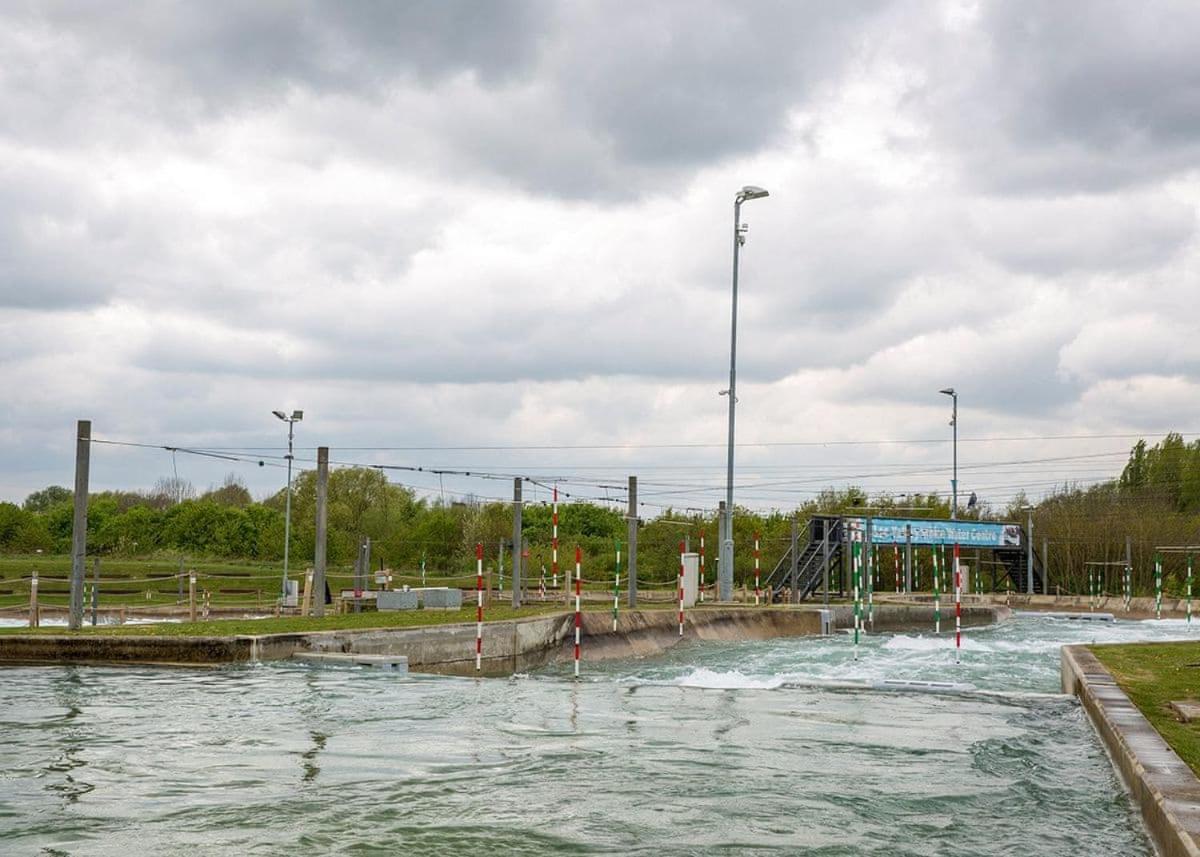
508,646
1165,789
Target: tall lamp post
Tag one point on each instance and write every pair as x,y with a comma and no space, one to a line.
296,417
725,581
949,391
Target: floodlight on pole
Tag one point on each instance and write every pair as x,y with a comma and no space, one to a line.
949,391
296,417
725,567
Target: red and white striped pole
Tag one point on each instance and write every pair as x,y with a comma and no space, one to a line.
702,566
757,588
578,615
554,542
478,607
957,608
896,557
682,547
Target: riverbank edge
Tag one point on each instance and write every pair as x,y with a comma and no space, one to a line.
1163,786
509,646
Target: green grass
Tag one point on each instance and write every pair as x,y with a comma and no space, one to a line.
1153,675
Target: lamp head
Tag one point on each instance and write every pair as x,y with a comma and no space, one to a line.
949,391
297,416
281,415
751,192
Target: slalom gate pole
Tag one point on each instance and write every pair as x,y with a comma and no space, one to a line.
896,558
872,555
578,615
1158,586
757,587
554,542
422,569
1189,589
681,550
937,594
702,566
479,606
617,584
856,574
957,608
1128,587
1091,591
542,584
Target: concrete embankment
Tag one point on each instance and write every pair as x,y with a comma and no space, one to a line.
1163,786
508,646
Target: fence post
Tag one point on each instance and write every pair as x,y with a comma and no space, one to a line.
34,616
322,524
83,448
631,520
192,596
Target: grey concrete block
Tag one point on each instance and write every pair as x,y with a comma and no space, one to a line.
396,600
442,598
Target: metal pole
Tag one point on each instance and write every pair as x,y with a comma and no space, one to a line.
83,448
287,514
724,562
725,583
825,550
954,479
322,525
631,521
908,583
795,561
516,543
1029,547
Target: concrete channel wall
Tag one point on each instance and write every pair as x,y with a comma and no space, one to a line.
1163,786
508,646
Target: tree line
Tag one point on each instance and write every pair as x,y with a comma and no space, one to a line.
1155,501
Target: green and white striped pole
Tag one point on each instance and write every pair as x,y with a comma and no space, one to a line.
617,584
422,568
1158,586
1091,590
856,574
872,555
937,593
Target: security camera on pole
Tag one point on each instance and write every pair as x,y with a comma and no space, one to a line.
725,566
296,417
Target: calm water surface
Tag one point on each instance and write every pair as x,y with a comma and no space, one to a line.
713,749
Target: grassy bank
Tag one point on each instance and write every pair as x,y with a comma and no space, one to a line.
1153,675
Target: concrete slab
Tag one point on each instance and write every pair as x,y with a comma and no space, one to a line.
1187,710
396,600
441,598
398,663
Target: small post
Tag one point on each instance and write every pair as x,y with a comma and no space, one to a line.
95,589
702,566
322,531
192,596
578,613
306,597
631,520
516,543
681,552
908,568
35,618
795,561
83,448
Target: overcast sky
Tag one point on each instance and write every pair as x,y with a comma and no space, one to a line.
434,224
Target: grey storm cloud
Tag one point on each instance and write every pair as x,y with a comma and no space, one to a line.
452,219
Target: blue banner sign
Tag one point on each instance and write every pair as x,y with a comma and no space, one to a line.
893,531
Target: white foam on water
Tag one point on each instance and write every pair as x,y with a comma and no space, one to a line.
704,677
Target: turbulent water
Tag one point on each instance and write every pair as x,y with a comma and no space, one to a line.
713,749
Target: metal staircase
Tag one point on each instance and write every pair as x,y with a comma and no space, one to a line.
811,562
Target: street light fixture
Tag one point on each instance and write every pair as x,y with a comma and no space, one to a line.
296,417
725,579
949,391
